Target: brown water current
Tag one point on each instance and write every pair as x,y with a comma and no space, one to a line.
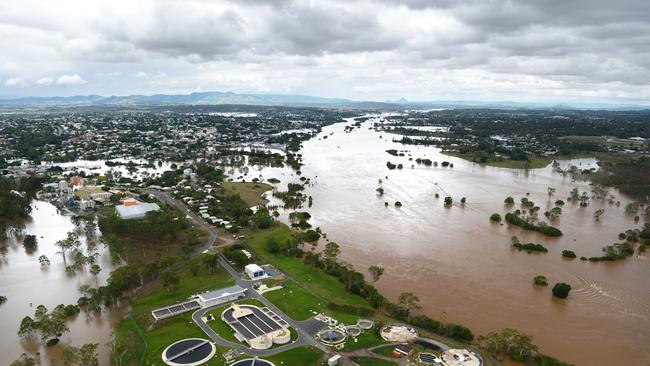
461,265
26,285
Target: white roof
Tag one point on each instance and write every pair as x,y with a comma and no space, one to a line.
224,292
136,211
253,267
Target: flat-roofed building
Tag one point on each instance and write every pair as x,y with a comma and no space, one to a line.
221,296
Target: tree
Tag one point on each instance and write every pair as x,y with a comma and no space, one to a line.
262,218
44,260
211,262
331,251
495,217
409,301
85,355
27,329
561,290
550,191
540,280
69,243
25,360
375,272
30,241
170,280
95,269
448,201
509,201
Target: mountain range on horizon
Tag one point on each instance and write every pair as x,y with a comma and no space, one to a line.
293,100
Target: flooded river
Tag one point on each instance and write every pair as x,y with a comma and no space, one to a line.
460,264
454,259
26,285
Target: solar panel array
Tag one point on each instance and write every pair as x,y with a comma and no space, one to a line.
175,309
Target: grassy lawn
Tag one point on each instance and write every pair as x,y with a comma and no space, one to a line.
250,192
384,351
315,282
303,356
534,163
153,296
369,338
367,361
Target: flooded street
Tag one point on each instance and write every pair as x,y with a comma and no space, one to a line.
26,285
460,264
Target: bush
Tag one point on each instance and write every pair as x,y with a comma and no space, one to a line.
509,201
427,323
568,254
311,236
540,280
561,290
459,332
495,217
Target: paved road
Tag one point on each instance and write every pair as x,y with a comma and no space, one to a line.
166,198
304,339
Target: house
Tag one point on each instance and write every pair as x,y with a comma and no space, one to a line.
254,271
221,296
137,210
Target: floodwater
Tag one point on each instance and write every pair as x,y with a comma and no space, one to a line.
460,264
26,285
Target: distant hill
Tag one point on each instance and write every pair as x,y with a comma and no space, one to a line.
206,98
229,98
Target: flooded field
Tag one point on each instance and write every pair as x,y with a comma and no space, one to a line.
26,285
460,264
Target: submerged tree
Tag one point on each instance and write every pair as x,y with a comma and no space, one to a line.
409,301
375,272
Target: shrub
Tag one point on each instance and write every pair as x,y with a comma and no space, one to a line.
561,290
540,280
568,254
459,332
495,217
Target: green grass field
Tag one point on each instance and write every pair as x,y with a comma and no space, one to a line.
153,296
314,282
533,163
384,351
250,192
367,339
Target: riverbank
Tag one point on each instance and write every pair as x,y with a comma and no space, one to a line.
532,163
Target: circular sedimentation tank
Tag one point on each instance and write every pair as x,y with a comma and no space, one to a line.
188,352
331,337
365,323
353,330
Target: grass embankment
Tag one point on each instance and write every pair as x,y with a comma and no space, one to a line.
311,290
140,329
250,192
532,163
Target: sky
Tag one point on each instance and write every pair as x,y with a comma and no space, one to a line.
527,50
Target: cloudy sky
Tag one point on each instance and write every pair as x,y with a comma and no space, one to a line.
530,50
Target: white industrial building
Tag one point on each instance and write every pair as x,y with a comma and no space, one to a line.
136,211
221,296
255,272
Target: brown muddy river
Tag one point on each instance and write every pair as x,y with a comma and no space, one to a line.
461,265
26,285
